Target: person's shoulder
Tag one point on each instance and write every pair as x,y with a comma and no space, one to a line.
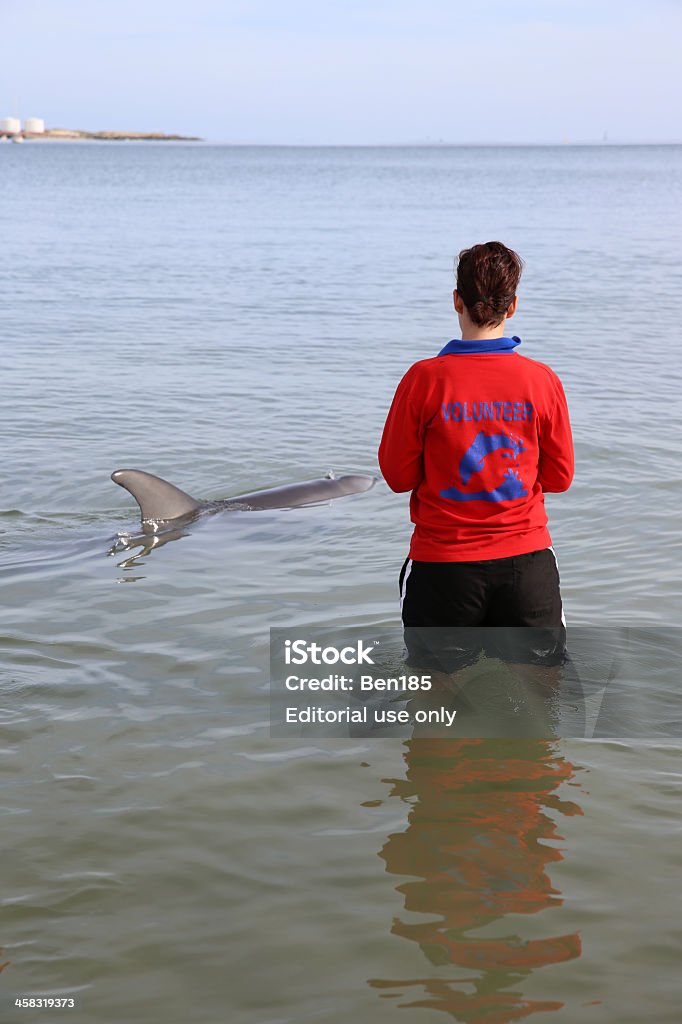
426,365
541,371
423,369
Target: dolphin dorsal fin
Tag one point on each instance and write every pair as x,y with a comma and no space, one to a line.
156,497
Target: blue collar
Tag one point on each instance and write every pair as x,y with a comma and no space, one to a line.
462,347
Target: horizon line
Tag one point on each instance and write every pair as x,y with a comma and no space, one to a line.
416,144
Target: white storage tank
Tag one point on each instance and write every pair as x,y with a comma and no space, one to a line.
36,125
10,126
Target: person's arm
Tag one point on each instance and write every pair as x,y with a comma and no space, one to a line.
555,465
402,442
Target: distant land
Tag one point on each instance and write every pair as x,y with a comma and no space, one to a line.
74,133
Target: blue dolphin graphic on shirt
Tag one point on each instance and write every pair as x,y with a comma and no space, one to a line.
473,461
482,445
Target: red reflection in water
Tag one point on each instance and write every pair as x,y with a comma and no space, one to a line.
477,842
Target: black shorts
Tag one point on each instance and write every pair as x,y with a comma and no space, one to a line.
509,607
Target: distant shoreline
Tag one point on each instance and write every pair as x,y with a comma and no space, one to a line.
74,134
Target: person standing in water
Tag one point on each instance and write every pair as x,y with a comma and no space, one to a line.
479,434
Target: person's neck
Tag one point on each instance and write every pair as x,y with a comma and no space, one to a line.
474,332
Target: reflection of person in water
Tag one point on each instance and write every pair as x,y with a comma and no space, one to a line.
478,849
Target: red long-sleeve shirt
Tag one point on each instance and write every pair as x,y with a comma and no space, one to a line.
478,434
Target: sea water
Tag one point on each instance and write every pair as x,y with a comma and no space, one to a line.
235,318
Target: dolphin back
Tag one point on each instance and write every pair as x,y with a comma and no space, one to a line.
309,492
157,498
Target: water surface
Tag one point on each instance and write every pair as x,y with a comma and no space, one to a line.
233,318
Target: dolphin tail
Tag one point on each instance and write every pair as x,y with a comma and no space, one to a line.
157,498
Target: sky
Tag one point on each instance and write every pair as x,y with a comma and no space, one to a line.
319,72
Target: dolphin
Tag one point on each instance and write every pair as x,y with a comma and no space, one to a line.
161,501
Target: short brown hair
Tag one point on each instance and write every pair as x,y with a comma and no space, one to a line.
487,278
